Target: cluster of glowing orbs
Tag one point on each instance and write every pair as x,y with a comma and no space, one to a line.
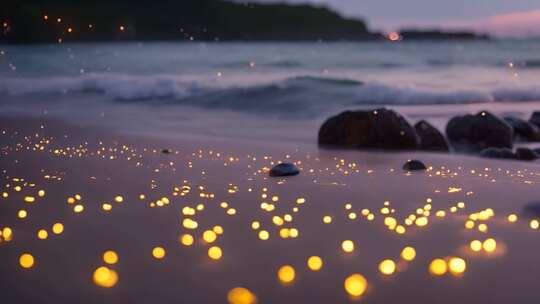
105,277
158,253
26,260
355,285
347,246
241,295
215,253
286,274
315,263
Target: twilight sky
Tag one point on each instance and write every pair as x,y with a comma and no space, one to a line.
503,17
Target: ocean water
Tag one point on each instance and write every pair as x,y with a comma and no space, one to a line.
274,90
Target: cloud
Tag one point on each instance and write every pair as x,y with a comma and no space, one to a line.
519,24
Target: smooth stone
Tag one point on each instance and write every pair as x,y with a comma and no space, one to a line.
431,139
474,133
535,118
526,154
503,153
284,169
523,129
414,165
382,129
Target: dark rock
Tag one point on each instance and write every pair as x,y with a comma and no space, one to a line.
502,153
475,133
532,210
526,154
166,151
414,165
523,129
375,129
431,139
535,118
284,169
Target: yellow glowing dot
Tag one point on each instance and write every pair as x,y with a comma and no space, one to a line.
106,207
457,265
534,224
71,200
300,200
26,260
41,193
347,246
231,211
118,199
275,198
284,233
315,263
482,228
187,239
240,295
121,28
57,228
327,219
489,245
421,221
264,235
438,267
352,216
7,234
110,257
42,234
158,252
18,188
22,214
440,213
469,224
400,229
355,285
370,217
476,245
387,267
29,199
408,253
218,230
278,221
105,277
286,274
255,225
189,223
512,218
209,236
215,253
293,232
78,208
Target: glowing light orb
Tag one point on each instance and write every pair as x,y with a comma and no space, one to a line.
158,253
110,257
347,246
355,285
438,267
215,253
78,208
209,236
512,218
26,260
29,199
264,235
22,214
118,198
58,228
286,274
408,253
457,266
315,263
218,230
42,234
105,277
534,224
387,267
489,245
475,245
327,219
190,224
187,239
241,295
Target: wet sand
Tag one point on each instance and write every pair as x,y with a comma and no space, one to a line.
101,165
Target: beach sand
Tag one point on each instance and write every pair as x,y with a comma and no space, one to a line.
65,160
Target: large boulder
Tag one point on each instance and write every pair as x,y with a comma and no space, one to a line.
431,139
523,129
374,129
284,169
535,118
474,133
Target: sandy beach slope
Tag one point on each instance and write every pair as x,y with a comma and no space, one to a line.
224,183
